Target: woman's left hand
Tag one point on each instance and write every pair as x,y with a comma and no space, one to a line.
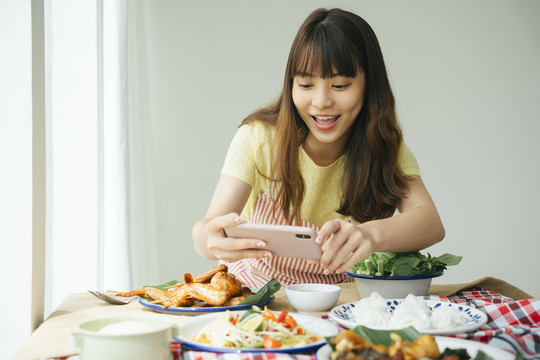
339,239
416,226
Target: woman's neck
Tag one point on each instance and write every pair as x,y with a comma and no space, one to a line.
323,154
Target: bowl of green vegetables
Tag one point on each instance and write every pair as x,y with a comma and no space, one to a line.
396,275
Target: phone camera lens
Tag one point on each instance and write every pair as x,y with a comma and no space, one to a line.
303,236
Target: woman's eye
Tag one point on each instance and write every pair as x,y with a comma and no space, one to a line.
341,87
305,86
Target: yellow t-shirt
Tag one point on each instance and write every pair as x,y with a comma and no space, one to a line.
250,150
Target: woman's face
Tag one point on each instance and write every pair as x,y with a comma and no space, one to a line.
329,107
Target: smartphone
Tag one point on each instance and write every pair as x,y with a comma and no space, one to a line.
281,240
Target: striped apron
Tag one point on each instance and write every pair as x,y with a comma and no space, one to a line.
256,272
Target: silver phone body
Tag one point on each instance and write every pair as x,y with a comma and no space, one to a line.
281,240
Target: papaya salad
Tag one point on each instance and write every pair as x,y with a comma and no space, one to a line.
254,329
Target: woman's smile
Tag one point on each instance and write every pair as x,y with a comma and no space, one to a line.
325,122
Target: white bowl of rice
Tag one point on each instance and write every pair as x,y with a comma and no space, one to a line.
393,287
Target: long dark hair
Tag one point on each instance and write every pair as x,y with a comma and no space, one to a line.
328,41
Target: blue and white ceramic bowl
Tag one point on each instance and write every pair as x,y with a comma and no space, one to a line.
346,316
393,287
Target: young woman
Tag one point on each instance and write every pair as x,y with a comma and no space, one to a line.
328,154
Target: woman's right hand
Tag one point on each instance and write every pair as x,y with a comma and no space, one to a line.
231,249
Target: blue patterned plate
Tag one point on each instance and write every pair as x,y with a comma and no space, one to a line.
344,316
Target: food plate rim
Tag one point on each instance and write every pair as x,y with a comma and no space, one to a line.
201,310
349,324
298,317
410,277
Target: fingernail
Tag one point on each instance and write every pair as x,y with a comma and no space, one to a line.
260,244
238,220
339,271
267,254
326,272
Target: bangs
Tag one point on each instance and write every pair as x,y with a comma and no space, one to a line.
324,52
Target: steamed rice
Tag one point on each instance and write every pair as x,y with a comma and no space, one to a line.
445,317
413,311
372,311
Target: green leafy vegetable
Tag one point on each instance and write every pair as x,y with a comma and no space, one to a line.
160,286
380,337
264,293
164,285
404,264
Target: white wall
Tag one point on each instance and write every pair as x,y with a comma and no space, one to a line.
15,173
467,82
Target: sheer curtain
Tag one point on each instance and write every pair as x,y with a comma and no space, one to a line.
101,230
90,149
143,230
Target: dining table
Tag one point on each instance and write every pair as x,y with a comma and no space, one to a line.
513,321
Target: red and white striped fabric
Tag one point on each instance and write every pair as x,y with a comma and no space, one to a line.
199,355
255,273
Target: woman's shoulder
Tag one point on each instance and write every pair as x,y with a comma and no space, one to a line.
407,161
258,130
250,152
259,125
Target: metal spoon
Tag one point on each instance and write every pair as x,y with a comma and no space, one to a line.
115,300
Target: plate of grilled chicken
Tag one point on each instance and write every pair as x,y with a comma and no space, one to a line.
212,291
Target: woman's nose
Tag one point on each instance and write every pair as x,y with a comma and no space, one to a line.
321,99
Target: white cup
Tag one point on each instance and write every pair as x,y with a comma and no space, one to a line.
125,337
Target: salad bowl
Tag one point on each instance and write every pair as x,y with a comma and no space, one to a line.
396,275
393,287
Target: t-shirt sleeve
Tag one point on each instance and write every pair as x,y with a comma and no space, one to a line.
407,161
240,159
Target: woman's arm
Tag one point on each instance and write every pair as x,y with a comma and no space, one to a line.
416,227
230,197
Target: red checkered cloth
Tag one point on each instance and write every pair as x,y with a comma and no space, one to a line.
512,325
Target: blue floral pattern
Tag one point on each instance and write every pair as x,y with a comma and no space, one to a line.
344,315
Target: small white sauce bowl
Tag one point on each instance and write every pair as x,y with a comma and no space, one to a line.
125,337
393,287
311,298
